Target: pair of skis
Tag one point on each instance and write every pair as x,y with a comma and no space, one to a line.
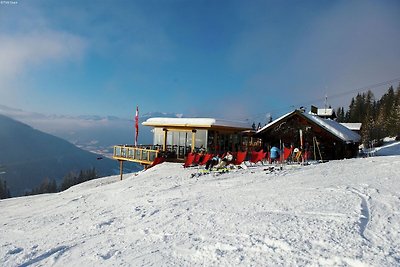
213,171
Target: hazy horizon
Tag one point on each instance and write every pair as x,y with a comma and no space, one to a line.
227,59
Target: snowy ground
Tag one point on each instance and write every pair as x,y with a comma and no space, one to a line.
340,213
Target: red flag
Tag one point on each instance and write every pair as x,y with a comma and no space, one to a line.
136,125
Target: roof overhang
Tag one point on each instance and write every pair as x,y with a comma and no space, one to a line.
196,123
354,126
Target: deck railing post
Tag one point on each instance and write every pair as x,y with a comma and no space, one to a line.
121,168
165,139
193,140
139,155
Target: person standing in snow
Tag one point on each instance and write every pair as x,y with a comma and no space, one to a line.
274,153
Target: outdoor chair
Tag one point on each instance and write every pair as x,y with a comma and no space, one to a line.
286,153
156,161
196,159
240,157
189,160
262,156
257,156
206,158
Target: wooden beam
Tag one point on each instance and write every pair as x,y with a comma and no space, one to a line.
193,139
121,168
165,139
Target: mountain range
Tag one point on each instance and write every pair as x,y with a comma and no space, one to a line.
93,133
28,156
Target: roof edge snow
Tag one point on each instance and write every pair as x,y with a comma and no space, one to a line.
196,122
354,126
335,128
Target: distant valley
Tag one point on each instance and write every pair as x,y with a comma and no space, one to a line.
96,134
35,146
28,156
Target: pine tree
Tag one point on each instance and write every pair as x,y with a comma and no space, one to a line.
397,111
72,178
391,112
379,118
350,110
385,113
4,190
46,186
69,180
341,116
367,117
52,186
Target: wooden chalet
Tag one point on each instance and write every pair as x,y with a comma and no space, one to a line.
324,139
174,138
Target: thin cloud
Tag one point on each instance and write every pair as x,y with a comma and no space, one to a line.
20,52
341,47
349,46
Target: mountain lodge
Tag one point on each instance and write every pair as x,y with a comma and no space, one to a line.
315,133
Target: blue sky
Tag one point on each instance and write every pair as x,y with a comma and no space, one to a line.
229,59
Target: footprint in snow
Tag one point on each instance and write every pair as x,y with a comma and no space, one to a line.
109,254
105,223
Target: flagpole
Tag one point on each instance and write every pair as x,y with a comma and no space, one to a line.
136,125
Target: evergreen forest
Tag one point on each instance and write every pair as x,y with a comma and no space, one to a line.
70,179
380,118
4,190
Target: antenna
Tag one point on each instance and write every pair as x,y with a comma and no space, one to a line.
326,101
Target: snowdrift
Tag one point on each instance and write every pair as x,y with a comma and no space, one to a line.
342,213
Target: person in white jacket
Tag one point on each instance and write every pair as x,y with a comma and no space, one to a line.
225,160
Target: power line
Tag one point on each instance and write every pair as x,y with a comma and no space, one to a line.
360,89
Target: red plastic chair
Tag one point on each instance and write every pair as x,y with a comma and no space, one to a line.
196,160
257,156
268,157
189,160
240,157
206,158
156,161
263,156
254,156
287,152
307,155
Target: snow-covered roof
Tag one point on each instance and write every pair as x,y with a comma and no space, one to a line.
274,122
354,126
196,123
331,126
335,128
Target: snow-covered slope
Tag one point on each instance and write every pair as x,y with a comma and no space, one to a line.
340,213
390,148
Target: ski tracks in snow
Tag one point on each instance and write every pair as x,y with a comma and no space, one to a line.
365,213
53,253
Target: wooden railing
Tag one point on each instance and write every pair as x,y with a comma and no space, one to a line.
135,154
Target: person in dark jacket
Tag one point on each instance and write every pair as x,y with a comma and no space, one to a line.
212,162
